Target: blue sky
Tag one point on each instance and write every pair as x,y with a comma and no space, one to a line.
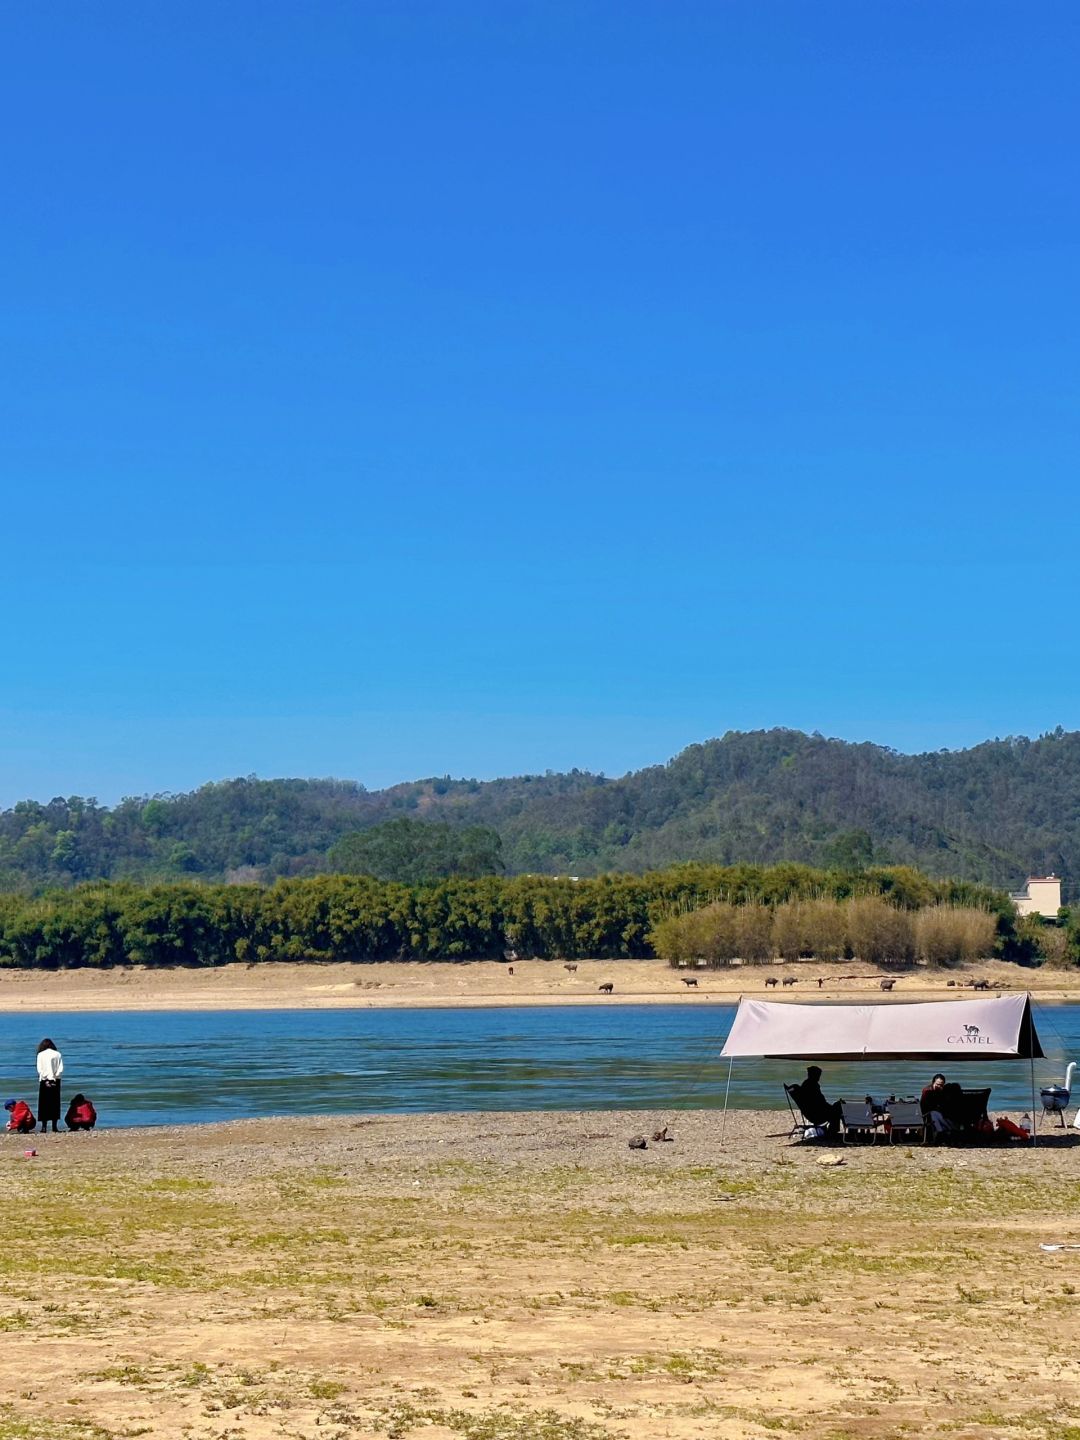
395,389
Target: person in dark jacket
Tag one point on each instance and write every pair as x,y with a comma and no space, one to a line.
21,1117
81,1114
813,1104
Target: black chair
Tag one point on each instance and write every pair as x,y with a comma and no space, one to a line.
973,1110
799,1122
965,1112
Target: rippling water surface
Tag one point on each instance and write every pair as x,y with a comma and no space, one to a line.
170,1067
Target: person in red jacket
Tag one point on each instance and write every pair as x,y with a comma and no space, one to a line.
941,1102
21,1117
81,1114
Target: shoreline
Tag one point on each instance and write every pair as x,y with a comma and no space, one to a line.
278,985
749,1136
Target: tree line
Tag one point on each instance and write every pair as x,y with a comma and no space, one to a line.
990,814
338,917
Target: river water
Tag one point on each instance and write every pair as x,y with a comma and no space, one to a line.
175,1067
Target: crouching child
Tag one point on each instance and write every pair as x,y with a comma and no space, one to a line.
20,1117
81,1114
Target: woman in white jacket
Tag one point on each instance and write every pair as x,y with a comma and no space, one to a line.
50,1066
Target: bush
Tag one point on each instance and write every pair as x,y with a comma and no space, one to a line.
790,931
753,933
715,933
867,927
708,933
1053,945
879,934
953,935
826,929
1055,948
810,927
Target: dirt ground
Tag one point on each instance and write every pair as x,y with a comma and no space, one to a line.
533,982
530,1277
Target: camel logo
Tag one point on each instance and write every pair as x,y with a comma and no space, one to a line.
971,1036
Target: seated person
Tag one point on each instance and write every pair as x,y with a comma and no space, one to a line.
812,1103
81,1114
941,1103
21,1117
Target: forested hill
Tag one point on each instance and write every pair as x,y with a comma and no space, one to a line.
992,813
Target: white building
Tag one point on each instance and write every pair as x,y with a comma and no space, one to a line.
1040,896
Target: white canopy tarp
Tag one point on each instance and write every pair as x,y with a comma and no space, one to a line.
996,1028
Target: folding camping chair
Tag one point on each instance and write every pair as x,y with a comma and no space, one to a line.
859,1117
799,1122
906,1115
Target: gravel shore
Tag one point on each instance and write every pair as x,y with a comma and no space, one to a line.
746,1142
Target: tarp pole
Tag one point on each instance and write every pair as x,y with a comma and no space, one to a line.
727,1090
1033,1120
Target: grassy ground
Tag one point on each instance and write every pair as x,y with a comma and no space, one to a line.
527,1281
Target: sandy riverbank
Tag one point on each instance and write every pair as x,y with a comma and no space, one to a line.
529,1277
487,983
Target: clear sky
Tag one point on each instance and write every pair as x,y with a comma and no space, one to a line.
397,388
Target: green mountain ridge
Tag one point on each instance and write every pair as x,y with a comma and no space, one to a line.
992,814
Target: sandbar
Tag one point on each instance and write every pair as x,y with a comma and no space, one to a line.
370,985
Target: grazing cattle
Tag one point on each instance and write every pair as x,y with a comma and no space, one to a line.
606,989
771,982
690,982
887,984
789,980
950,983
572,968
510,968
